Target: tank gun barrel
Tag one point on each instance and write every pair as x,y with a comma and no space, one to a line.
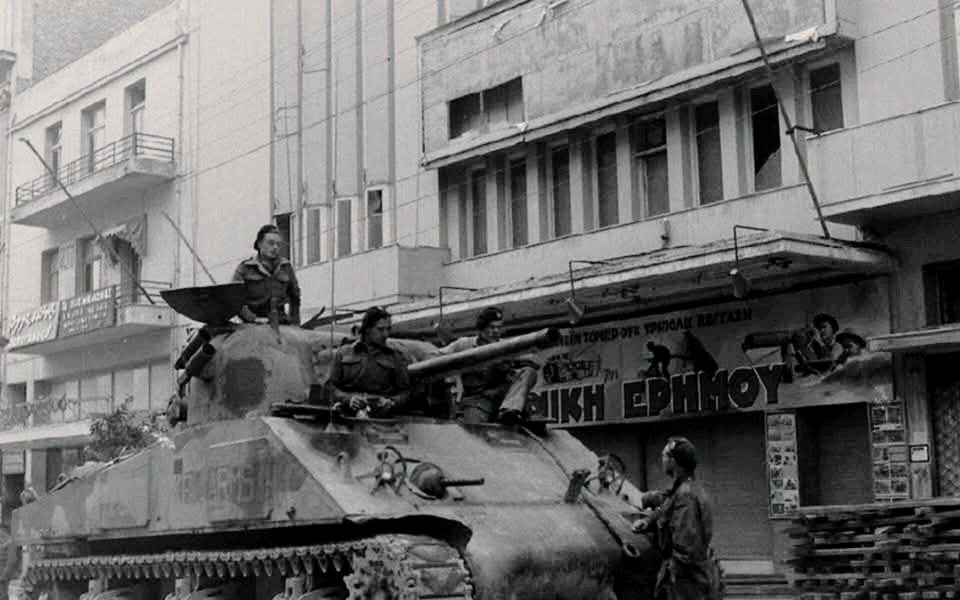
449,364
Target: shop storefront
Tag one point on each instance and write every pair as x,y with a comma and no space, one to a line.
784,402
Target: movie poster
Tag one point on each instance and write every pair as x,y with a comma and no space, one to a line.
782,463
763,354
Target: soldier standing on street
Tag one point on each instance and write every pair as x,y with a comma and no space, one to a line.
270,282
497,391
368,377
683,522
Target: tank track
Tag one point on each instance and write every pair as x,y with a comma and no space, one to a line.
401,566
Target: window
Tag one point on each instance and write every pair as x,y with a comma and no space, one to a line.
50,273
344,226
54,151
765,121
478,210
466,114
942,292
94,133
650,164
136,105
284,225
606,152
560,190
518,202
709,162
826,98
374,218
90,264
494,106
314,245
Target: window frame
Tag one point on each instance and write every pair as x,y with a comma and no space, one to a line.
91,129
807,89
384,203
471,203
695,150
551,211
509,159
96,274
749,155
640,174
50,272
135,111
609,128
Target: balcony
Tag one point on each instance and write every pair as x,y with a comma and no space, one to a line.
898,168
385,276
118,170
51,421
644,273
105,316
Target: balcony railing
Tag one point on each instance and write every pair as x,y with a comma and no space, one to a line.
129,294
55,409
136,145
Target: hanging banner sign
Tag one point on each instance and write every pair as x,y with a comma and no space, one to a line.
34,326
778,352
88,312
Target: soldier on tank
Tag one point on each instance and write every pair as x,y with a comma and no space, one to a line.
367,377
496,392
271,284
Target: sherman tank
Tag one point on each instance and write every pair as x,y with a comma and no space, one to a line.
264,491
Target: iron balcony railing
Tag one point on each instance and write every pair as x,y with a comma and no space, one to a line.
129,294
49,410
140,145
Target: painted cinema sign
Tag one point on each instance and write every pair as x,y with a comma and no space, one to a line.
743,356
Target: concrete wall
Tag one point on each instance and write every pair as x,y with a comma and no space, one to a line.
360,115
65,29
229,196
580,52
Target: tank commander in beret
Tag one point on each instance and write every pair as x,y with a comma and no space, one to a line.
270,282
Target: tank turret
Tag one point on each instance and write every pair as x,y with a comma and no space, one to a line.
240,503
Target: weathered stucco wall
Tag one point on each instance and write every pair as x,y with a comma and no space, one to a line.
582,51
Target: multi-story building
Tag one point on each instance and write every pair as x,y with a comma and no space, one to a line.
178,128
137,128
627,171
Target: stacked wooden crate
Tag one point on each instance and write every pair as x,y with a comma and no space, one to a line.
902,550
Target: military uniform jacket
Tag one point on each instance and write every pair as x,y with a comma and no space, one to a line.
264,286
362,369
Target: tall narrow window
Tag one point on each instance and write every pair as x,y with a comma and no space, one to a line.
606,146
54,150
136,106
826,98
90,264
94,134
478,197
314,239
650,162
766,138
374,218
709,161
560,188
50,271
344,226
518,202
284,224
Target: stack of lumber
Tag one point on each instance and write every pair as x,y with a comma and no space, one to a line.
902,550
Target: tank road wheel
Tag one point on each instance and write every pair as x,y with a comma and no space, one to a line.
383,567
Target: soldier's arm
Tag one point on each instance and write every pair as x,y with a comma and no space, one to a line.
332,386
401,395
293,293
245,313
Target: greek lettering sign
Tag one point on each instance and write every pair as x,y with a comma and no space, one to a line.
771,353
88,312
34,326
